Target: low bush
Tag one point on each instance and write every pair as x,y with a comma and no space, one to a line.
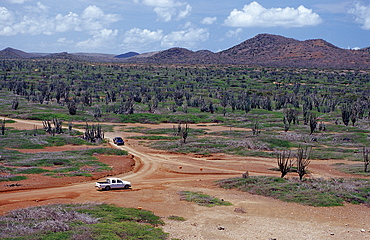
203,199
87,221
313,192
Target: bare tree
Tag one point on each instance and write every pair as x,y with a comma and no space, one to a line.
303,155
284,162
365,153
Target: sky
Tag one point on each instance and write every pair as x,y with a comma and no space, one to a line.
120,26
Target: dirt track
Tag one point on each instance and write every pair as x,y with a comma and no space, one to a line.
158,176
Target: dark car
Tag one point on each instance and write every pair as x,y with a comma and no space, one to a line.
118,141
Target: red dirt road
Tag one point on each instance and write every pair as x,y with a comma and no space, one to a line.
158,176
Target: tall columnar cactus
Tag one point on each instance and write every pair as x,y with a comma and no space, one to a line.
3,127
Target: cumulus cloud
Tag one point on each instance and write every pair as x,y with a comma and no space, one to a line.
6,16
362,15
168,10
185,38
234,33
255,15
142,36
142,39
145,40
100,39
92,19
209,20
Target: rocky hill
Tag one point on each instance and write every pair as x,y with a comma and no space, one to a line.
11,53
261,50
271,50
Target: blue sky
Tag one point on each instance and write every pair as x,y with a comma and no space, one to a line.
119,26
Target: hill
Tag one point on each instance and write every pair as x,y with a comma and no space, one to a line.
127,55
262,50
271,50
11,53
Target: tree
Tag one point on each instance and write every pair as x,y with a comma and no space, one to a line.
255,128
313,123
284,163
3,127
365,153
72,108
183,131
15,104
346,113
303,155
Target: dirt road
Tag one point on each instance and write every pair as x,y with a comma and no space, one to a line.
158,176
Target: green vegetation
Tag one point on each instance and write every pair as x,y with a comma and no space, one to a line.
66,163
313,192
203,199
176,218
353,169
88,221
154,138
325,109
37,139
5,178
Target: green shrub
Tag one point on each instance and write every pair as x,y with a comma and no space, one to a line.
80,222
203,199
314,192
32,170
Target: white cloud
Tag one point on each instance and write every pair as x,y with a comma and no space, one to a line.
209,20
362,15
142,36
185,38
92,19
18,1
234,33
101,39
168,10
64,41
142,39
69,22
145,40
6,16
255,15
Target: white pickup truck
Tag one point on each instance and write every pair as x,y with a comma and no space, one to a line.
112,183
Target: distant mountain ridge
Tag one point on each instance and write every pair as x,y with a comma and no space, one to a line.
127,55
262,50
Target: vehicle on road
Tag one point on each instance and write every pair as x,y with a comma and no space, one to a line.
118,141
112,183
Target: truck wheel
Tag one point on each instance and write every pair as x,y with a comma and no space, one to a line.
107,188
126,186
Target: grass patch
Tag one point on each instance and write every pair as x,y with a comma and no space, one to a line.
203,199
353,169
88,221
68,163
280,143
313,192
154,137
176,218
13,178
32,170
